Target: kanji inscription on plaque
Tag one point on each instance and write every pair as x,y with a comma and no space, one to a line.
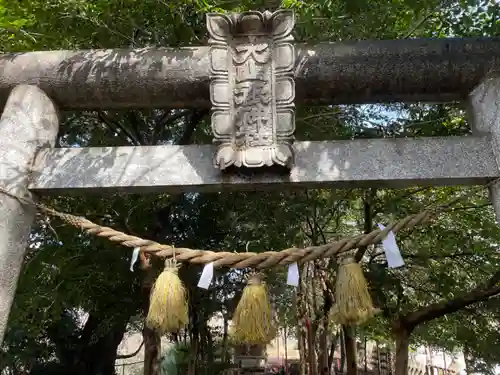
252,90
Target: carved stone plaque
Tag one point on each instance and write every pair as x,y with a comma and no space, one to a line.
252,90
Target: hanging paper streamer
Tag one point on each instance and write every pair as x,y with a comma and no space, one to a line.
135,256
293,275
391,249
206,276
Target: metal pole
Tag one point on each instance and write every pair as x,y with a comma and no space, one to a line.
29,122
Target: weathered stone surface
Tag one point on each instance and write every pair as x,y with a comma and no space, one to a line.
29,122
337,164
484,113
252,89
347,72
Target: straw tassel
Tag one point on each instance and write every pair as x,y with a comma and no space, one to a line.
168,308
253,318
353,303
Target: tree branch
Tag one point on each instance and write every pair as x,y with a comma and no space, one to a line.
168,118
433,256
368,223
162,121
333,211
137,123
470,207
194,119
114,125
312,235
418,25
437,310
125,356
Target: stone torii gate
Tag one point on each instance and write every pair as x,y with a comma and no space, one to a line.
251,74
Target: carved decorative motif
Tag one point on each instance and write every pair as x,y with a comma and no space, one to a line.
252,90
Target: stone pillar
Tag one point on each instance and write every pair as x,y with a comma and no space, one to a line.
484,114
29,122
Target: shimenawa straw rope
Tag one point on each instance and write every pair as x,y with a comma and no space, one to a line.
244,259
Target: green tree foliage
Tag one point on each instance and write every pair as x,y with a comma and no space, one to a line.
69,276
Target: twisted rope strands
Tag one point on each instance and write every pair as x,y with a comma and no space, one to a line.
245,259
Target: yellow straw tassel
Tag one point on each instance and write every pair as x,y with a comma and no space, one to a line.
353,303
168,308
253,319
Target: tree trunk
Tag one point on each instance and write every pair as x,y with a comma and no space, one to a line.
88,352
428,360
379,368
209,347
152,348
152,339
302,349
323,349
402,335
350,350
311,350
342,351
99,358
301,328
365,354
195,331
331,356
467,360
285,333
323,363
193,357
224,339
